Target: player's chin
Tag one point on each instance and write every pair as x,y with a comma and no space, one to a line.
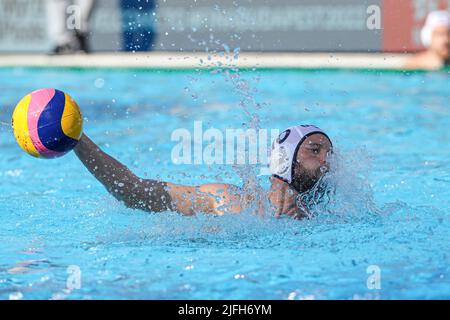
313,177
447,55
320,172
445,52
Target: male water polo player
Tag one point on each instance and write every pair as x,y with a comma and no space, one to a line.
435,36
298,160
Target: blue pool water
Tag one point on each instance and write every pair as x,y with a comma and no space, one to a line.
391,211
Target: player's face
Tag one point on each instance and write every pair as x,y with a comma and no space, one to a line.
440,42
312,159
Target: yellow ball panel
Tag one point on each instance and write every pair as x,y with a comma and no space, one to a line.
20,127
72,121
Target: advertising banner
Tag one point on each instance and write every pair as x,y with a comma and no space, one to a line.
209,25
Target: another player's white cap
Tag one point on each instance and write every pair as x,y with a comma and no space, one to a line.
434,19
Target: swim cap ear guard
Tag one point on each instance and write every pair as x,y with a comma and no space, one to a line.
285,148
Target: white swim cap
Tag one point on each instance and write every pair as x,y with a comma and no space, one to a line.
285,147
434,19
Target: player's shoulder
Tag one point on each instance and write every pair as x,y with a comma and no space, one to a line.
422,60
225,197
219,189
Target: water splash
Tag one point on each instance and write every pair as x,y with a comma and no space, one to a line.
344,193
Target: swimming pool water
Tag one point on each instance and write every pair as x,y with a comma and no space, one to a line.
391,212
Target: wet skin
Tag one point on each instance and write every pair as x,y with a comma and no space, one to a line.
437,55
213,198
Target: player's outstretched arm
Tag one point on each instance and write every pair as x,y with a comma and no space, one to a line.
152,195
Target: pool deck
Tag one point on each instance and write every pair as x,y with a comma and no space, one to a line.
192,60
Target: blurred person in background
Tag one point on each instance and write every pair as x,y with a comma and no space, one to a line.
435,37
68,25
